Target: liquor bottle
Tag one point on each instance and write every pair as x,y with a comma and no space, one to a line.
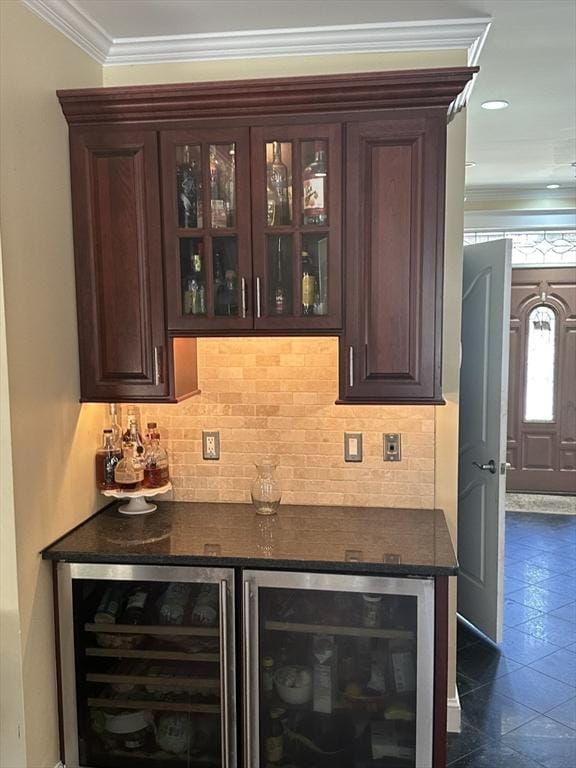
277,182
114,424
308,284
275,737
314,188
129,471
231,189
188,183
135,605
195,294
107,457
132,436
156,472
280,303
217,191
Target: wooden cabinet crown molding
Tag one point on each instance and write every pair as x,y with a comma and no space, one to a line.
271,96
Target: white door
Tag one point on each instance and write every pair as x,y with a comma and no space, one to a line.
483,409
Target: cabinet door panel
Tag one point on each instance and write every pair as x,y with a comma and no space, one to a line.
206,214
296,226
395,196
118,264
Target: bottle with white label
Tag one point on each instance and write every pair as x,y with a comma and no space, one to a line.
314,210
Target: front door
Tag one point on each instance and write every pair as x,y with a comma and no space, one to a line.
542,394
483,400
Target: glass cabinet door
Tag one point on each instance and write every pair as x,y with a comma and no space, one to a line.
206,188
148,679
296,224
339,671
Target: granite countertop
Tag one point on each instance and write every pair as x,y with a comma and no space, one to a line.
346,539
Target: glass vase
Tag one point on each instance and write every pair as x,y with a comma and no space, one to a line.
265,489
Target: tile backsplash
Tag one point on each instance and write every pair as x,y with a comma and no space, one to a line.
275,397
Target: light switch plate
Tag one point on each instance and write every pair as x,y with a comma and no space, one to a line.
210,446
352,446
392,446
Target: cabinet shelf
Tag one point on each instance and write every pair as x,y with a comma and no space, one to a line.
155,655
325,629
160,681
150,629
154,706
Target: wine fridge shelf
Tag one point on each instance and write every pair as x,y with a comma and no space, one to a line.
154,655
154,706
141,629
208,683
325,629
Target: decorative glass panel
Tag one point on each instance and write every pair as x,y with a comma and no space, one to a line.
192,270
223,185
314,183
278,183
280,294
189,186
314,263
533,248
225,275
540,365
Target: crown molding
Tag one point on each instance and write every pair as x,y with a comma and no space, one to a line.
476,194
77,26
434,34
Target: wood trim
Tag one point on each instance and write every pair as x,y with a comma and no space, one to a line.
269,96
440,671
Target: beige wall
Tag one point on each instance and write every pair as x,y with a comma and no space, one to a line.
52,436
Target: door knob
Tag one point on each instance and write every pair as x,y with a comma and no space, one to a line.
489,467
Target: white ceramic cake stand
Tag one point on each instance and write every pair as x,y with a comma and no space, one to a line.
137,504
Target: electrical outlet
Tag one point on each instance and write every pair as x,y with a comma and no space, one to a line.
392,447
352,446
210,446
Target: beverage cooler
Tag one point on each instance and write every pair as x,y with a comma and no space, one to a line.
339,671
335,671
148,672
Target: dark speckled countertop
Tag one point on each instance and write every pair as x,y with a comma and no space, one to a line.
355,539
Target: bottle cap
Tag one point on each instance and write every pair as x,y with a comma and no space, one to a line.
152,425
107,431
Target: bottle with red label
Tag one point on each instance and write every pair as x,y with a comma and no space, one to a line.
314,209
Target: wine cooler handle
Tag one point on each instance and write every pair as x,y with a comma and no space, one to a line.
258,311
243,290
351,366
248,714
158,379
224,679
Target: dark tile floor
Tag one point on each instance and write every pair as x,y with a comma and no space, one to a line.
519,700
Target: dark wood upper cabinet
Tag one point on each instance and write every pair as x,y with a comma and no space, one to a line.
124,350
296,205
391,346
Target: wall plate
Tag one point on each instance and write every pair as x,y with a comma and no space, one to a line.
210,446
352,446
392,446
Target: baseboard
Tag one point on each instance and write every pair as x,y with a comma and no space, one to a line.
454,719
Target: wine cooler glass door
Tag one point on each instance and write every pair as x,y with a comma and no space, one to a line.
147,666
339,671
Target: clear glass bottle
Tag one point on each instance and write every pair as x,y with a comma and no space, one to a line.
129,472
188,183
280,303
266,492
156,470
314,188
278,213
195,294
133,434
107,457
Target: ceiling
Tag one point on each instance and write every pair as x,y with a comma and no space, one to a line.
528,59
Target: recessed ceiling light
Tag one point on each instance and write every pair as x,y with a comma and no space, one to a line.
470,164
498,104
552,186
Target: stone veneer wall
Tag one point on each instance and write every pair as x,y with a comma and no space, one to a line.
275,397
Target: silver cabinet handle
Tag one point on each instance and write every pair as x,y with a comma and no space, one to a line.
258,311
224,681
243,290
158,379
248,713
489,467
351,366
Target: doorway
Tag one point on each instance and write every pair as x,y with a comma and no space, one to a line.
541,444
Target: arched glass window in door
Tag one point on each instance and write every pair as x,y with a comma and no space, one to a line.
539,402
